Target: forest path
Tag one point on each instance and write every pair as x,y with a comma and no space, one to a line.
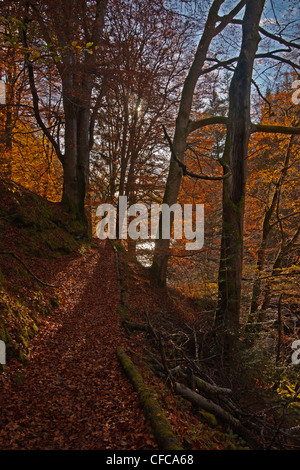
73,394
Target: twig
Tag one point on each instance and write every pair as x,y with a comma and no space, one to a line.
150,325
11,253
163,356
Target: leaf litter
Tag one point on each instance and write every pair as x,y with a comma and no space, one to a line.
73,395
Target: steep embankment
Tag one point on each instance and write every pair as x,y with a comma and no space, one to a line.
34,236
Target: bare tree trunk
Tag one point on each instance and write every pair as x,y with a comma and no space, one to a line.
83,162
77,153
70,198
77,77
161,251
235,155
182,130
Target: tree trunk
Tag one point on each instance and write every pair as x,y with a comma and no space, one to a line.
77,78
70,196
161,251
208,405
235,155
83,162
77,150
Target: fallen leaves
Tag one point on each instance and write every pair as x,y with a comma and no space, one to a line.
75,395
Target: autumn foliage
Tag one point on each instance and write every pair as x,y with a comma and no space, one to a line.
161,102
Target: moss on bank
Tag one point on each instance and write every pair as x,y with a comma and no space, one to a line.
32,231
19,321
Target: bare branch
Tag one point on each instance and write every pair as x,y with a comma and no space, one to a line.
34,94
275,37
194,125
11,253
184,168
275,129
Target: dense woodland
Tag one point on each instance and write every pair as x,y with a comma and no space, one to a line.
164,102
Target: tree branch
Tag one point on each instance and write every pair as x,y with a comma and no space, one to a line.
184,168
34,93
275,129
272,36
194,125
224,20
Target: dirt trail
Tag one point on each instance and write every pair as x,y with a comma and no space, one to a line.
73,395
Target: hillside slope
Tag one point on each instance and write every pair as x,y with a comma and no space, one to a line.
34,237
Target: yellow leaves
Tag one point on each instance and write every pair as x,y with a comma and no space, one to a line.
35,55
32,164
87,48
287,390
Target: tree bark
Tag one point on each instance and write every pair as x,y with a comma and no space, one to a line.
70,198
213,408
183,129
159,423
235,155
77,78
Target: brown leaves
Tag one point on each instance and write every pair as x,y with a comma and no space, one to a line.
75,396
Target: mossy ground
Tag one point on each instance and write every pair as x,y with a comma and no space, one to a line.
36,231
